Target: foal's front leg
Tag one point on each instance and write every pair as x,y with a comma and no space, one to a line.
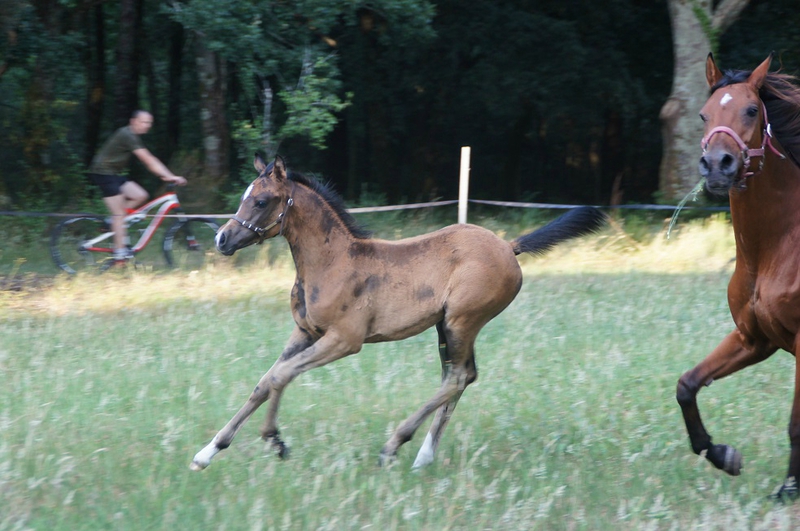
299,341
300,355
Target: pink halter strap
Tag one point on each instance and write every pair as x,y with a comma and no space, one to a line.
747,151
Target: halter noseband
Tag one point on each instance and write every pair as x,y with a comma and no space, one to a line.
262,231
747,151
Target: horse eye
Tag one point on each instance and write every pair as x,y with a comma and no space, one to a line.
261,204
752,112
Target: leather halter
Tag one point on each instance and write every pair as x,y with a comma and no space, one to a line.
262,231
747,151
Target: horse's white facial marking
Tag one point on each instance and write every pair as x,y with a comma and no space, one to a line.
725,99
246,193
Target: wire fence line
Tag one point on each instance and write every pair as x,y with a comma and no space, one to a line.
390,208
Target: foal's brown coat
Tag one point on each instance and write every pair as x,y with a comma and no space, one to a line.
764,291
352,289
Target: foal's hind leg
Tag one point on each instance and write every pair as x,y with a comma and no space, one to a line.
457,375
442,417
732,354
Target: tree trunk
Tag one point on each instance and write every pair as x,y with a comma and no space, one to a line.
211,74
126,98
681,129
510,178
174,98
96,86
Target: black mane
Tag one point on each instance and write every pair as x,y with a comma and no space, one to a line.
334,200
781,96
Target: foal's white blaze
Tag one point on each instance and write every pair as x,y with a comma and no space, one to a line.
246,193
725,99
425,455
203,458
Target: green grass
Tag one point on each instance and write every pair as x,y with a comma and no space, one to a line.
111,383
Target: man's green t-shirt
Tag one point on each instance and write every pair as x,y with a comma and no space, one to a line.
114,156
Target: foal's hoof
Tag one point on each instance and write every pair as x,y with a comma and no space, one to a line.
282,450
280,447
787,491
726,458
385,460
197,466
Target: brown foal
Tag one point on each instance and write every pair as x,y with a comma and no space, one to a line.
352,289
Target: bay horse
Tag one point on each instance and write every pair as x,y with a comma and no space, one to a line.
352,289
751,149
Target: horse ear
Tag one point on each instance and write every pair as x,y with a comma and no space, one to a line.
713,74
279,168
758,76
258,164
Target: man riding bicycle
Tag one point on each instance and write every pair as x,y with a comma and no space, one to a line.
119,193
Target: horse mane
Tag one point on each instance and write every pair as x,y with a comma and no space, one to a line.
334,200
781,96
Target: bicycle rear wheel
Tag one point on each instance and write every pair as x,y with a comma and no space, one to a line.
68,244
189,243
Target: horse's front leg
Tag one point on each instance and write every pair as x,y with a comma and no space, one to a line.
732,354
298,341
294,361
789,489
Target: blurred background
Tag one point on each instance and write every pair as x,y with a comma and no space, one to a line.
561,100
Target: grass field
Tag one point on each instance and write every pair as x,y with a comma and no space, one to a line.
110,384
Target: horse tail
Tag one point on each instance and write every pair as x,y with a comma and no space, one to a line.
576,222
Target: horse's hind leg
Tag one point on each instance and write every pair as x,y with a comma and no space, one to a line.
732,354
458,372
442,417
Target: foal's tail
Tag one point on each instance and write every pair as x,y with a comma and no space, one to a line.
576,222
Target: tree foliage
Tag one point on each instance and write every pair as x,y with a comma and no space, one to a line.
558,99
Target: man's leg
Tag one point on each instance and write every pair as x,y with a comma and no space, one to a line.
116,205
131,196
134,194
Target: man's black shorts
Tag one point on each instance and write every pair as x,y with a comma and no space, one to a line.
109,184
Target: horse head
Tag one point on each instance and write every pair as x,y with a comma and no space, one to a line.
262,209
735,120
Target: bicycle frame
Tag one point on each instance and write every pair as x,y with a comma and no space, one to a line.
165,203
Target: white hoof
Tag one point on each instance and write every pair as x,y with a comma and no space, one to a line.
425,455
197,466
203,458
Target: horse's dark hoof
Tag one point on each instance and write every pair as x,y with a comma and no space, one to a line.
787,491
726,458
386,460
283,451
280,447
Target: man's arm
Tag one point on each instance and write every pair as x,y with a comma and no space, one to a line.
157,167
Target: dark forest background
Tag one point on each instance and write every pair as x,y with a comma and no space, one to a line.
559,99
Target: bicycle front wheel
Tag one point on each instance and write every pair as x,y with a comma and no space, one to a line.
190,243
69,245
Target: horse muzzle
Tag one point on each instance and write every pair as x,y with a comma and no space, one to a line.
230,239
720,169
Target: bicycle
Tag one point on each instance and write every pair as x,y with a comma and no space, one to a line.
85,242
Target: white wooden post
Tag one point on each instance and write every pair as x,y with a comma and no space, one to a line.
463,185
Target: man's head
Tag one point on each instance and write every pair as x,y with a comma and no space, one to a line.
141,122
